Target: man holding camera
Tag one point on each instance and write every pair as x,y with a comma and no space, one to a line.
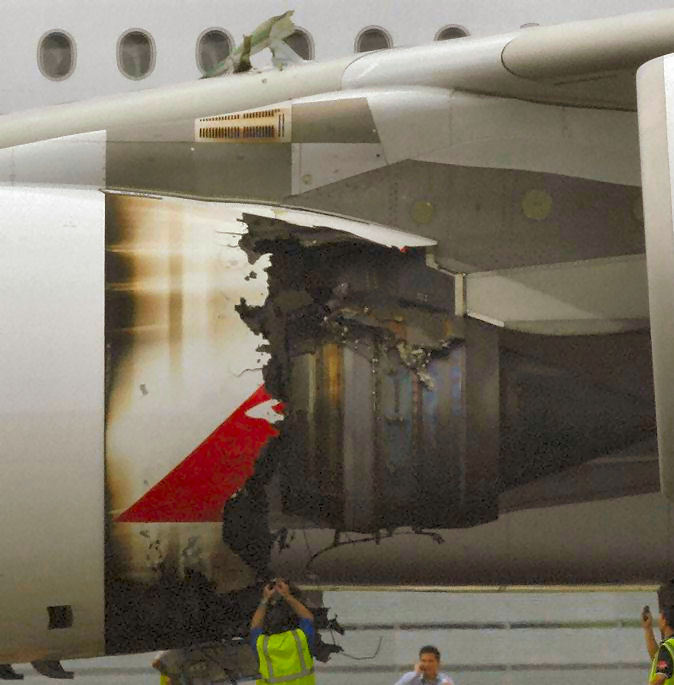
282,636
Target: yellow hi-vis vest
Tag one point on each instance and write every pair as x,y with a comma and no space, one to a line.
669,645
285,658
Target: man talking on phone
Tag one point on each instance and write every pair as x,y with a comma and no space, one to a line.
282,636
662,654
426,670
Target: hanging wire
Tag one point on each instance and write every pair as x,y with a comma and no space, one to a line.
364,658
377,537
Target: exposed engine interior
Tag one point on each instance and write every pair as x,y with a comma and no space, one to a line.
398,412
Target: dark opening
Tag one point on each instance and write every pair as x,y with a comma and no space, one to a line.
60,617
373,39
56,55
450,32
300,42
213,47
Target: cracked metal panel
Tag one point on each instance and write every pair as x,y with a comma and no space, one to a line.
392,419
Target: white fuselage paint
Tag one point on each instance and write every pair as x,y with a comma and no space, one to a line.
51,419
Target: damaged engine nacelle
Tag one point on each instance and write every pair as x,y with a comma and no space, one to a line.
392,401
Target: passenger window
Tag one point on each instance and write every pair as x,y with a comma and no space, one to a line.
135,54
213,46
300,41
56,55
373,38
449,32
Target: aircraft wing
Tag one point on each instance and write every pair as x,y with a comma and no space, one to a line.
588,63
583,49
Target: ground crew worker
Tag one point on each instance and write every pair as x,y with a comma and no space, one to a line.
282,635
662,655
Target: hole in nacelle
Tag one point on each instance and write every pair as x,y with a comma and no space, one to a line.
60,616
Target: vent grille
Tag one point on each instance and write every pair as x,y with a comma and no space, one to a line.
257,126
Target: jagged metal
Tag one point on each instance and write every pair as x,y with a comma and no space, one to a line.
268,34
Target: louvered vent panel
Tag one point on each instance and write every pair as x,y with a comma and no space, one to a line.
257,126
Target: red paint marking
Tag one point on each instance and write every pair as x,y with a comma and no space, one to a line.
196,489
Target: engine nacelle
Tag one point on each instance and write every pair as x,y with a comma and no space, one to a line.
392,401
